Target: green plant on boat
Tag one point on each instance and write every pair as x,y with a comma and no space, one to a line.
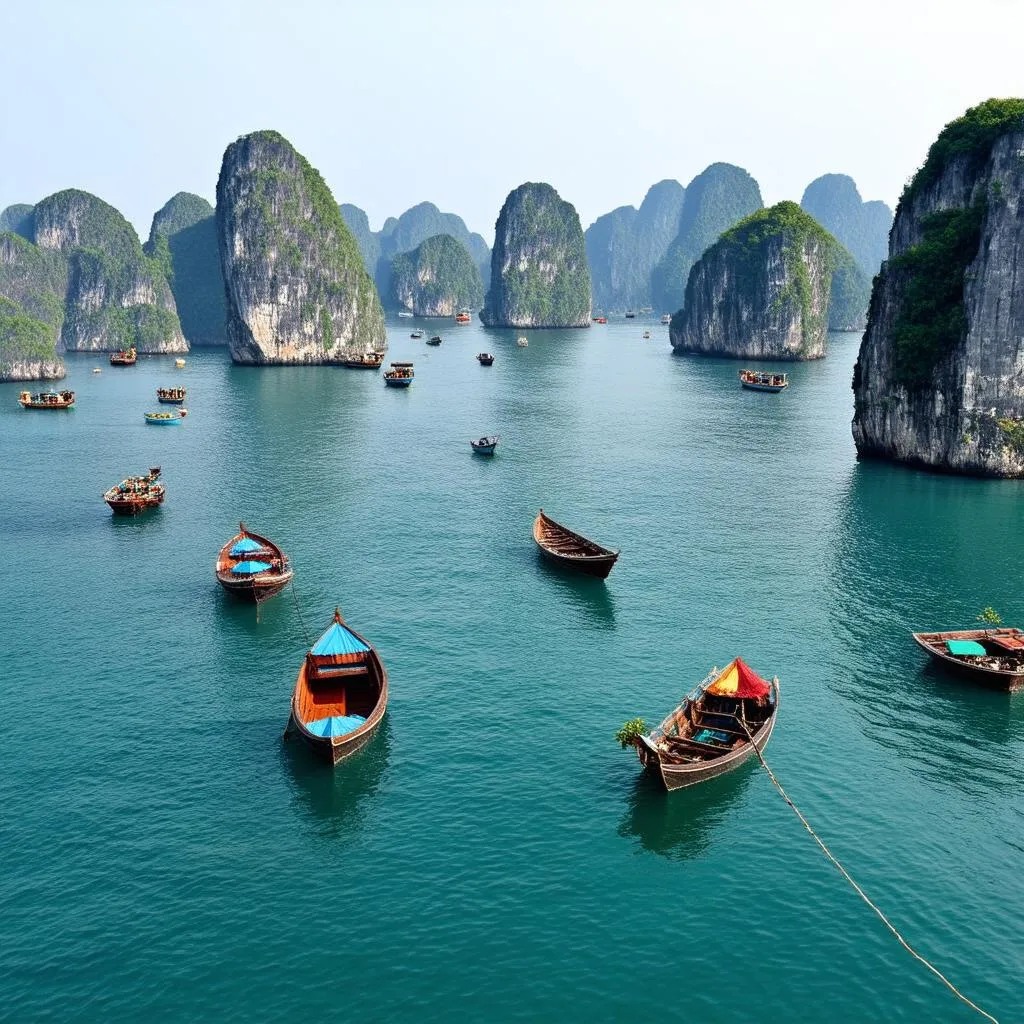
630,732
990,617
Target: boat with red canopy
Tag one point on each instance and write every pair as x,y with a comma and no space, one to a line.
341,693
711,731
989,657
252,567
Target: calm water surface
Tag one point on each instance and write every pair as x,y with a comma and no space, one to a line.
494,854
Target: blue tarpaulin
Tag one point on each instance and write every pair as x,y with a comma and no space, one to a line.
338,640
247,568
245,545
336,725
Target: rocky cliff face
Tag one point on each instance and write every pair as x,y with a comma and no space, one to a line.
297,291
368,241
17,218
539,271
717,198
624,246
761,291
939,380
438,278
116,296
183,240
835,203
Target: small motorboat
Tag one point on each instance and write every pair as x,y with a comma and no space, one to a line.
666,318
418,333
179,363
136,494
47,400
97,369
485,358
435,340
405,314
171,396
522,341
463,317
399,376
166,419
126,357
647,335
341,693
485,446
714,730
251,567
369,360
990,657
630,314
600,319
570,549
759,380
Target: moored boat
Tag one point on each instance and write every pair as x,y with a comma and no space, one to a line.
126,357
171,396
400,375
714,730
47,400
136,494
418,333
251,567
165,419
485,446
369,360
341,693
179,363
405,314
761,380
989,657
522,341
435,340
600,319
571,549
463,317
485,358
647,335
666,318
630,314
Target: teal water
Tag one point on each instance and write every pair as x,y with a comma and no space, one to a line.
493,854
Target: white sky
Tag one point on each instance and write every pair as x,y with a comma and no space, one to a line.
397,101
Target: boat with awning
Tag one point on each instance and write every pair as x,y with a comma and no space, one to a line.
993,658
252,567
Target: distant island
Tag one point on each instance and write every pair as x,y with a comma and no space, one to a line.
438,278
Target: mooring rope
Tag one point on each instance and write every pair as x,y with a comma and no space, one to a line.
298,611
860,892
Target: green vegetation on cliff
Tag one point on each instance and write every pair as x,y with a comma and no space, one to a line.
834,202
368,242
851,293
19,219
32,287
438,278
23,338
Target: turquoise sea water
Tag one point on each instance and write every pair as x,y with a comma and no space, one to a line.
493,854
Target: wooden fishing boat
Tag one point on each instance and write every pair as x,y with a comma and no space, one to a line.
567,548
485,358
179,363
126,357
710,732
435,340
600,319
369,360
990,657
341,693
485,446
136,494
171,396
760,380
165,419
251,567
463,317
523,341
399,376
47,400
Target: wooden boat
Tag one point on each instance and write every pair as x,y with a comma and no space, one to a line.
47,400
666,318
405,314
399,376
563,546
522,341
341,693
435,340
485,358
463,317
485,446
418,333
126,357
600,319
165,419
179,363
989,657
710,732
252,567
96,369
760,380
370,360
171,396
136,494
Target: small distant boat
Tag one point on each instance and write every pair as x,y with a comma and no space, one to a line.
435,340
136,494
179,363
485,358
989,657
463,317
126,357
341,693
562,545
522,341
757,380
418,333
166,419
647,335
369,360
600,319
666,318
630,314
47,400
399,376
405,314
709,733
97,369
485,446
252,567
171,396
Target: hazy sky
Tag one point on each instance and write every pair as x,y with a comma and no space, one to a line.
397,101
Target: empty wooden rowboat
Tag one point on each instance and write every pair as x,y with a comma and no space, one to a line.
570,549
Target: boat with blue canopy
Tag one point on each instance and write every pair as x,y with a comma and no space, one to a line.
341,693
252,567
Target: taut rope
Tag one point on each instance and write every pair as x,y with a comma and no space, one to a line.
860,892
298,611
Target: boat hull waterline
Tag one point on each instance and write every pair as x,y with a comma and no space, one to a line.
572,550
1001,667
256,587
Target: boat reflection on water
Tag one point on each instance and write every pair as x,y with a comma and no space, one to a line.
335,801
682,825
585,596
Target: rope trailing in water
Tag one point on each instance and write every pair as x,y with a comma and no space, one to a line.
860,892
298,611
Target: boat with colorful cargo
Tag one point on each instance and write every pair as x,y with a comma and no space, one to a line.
993,658
47,400
136,494
463,317
252,567
340,695
171,396
400,375
369,360
126,357
165,419
761,380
